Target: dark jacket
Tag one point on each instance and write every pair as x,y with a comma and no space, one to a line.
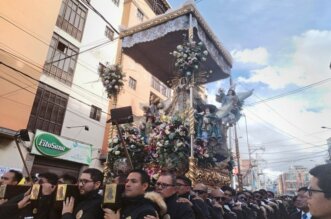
199,207
215,213
38,209
88,208
297,215
137,208
178,210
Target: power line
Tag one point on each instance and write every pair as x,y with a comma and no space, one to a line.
277,129
277,113
283,145
282,140
286,161
101,16
294,150
47,71
67,109
12,23
15,83
296,157
290,92
83,51
16,70
74,54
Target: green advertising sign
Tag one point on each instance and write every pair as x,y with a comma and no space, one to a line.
51,145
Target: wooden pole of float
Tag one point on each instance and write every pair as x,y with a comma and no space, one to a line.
192,161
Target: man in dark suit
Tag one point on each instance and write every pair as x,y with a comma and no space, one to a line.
319,191
301,205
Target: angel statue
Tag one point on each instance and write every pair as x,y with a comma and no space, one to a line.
232,103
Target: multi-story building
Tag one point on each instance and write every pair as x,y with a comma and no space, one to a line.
295,178
50,54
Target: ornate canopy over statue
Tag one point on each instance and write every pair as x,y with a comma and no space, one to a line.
163,33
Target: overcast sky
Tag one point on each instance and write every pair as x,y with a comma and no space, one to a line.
277,47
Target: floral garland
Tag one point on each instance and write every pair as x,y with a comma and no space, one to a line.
135,146
188,57
112,79
168,148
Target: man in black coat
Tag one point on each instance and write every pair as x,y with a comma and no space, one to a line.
319,191
89,207
184,187
166,186
302,205
20,206
135,204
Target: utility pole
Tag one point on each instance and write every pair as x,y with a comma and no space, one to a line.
329,144
240,180
240,183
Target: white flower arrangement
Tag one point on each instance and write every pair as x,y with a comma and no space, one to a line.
112,79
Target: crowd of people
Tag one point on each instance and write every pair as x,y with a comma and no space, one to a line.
170,196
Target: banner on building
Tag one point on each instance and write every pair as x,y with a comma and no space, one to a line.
50,145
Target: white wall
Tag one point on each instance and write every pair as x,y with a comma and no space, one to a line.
87,86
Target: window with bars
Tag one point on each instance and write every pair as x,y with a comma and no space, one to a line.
48,110
132,83
160,87
116,2
57,65
72,18
140,14
109,33
95,113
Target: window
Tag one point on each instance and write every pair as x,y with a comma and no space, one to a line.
132,83
62,70
157,6
140,15
95,113
109,33
116,2
72,18
48,110
160,87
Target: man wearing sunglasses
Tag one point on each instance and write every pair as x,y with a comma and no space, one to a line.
218,199
166,186
202,191
89,207
185,194
319,192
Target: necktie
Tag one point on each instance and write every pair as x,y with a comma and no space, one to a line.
304,216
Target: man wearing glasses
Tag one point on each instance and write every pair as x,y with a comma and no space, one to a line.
89,206
166,186
302,205
319,192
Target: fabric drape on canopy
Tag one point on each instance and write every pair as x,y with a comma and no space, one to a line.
150,44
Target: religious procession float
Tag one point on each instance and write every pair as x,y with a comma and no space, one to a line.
184,133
